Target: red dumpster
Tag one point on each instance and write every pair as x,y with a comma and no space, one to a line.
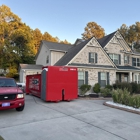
56,83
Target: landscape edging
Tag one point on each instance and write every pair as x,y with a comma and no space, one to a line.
122,108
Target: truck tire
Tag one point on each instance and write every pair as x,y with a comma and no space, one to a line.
20,108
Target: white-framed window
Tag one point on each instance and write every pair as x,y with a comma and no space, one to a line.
81,78
115,58
126,59
47,59
92,57
136,62
137,78
103,79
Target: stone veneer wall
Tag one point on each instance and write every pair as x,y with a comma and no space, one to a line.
83,57
115,48
93,75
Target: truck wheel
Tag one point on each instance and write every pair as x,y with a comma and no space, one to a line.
20,108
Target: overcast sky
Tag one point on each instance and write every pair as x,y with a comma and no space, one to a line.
67,19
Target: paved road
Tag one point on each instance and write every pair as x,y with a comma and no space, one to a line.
75,120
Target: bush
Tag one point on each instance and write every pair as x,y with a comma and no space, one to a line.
123,85
124,97
109,87
138,89
105,92
134,87
96,88
84,88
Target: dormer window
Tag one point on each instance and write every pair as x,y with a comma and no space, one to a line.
92,57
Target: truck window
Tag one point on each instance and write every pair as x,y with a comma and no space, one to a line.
7,83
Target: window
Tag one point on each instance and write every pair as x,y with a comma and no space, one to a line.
136,62
116,58
126,59
47,59
92,57
80,78
103,78
7,82
137,78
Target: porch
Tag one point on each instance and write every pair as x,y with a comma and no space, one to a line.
128,74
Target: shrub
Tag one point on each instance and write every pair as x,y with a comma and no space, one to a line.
134,87
109,87
123,85
138,89
124,97
84,88
105,92
96,88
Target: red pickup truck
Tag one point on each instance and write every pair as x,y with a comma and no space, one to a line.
11,96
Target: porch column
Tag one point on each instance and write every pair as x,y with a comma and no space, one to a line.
130,77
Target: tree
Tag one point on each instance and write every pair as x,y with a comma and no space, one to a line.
124,31
131,34
93,30
64,42
16,39
37,37
48,37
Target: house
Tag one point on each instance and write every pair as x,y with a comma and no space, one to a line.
28,69
102,61
50,52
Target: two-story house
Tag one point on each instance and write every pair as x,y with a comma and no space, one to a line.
100,61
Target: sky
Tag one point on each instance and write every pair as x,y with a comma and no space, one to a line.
67,19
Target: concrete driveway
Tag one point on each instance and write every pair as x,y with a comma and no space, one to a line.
75,120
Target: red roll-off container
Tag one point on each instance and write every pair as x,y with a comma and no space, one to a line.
55,83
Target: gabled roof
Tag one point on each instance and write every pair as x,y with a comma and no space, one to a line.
54,46
71,53
78,41
57,46
30,66
103,41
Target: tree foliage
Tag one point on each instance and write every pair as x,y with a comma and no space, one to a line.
18,42
131,34
93,30
37,37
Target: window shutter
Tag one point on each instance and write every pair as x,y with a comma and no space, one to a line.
128,59
86,77
96,58
108,81
99,78
119,59
89,57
